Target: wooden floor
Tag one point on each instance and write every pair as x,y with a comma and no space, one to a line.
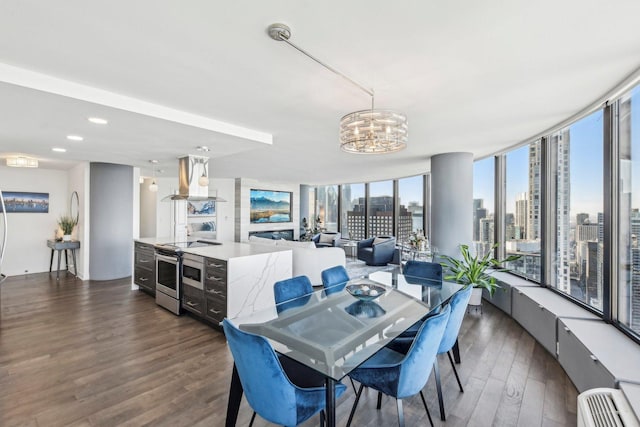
76,353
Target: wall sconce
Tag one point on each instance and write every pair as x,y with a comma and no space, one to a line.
22,162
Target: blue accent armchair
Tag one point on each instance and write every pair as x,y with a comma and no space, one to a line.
402,375
334,279
326,239
281,391
379,253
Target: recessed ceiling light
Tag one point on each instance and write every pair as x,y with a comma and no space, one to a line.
75,137
98,120
59,150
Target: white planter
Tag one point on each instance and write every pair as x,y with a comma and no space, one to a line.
476,297
66,237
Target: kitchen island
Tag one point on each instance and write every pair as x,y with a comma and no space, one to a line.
237,278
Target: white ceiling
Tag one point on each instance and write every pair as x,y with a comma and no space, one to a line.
169,76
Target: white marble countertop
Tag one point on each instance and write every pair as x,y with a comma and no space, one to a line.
225,251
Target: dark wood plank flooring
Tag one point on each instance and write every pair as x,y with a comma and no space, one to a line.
76,353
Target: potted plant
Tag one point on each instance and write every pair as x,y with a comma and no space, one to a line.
66,224
472,271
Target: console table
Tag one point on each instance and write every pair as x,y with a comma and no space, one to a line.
61,245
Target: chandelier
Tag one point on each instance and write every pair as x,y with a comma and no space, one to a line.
364,132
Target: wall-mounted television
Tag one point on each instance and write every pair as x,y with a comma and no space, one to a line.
270,206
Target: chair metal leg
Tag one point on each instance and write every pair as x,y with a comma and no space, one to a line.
355,404
453,365
322,418
456,352
253,417
400,413
379,400
436,371
424,402
353,385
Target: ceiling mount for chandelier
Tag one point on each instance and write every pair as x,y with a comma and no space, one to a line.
364,132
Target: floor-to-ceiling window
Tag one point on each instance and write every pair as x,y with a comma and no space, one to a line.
522,210
629,211
380,209
576,163
352,215
483,204
410,207
327,207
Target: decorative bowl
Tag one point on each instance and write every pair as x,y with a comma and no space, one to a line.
365,291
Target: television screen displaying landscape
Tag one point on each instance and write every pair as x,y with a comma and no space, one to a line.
270,206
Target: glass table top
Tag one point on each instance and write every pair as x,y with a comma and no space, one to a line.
334,333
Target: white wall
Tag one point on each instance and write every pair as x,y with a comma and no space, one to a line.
79,182
243,188
224,188
27,250
148,210
219,187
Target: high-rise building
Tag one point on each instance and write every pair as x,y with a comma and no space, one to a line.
586,232
560,143
533,205
405,224
479,212
581,218
521,215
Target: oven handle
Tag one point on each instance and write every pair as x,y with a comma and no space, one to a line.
170,259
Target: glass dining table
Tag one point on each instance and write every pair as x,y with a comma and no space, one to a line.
334,332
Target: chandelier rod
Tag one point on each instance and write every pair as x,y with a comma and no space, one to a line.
281,32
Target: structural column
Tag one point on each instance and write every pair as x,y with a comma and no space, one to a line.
111,221
451,201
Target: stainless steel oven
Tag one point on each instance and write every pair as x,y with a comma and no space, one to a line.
168,268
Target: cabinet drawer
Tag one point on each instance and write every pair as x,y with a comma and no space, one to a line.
216,310
536,319
215,264
218,292
581,365
144,259
143,247
145,278
215,281
192,299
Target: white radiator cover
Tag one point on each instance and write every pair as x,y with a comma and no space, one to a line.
605,407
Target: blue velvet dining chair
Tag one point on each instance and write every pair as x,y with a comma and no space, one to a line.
458,304
291,289
280,390
424,270
413,271
334,279
402,375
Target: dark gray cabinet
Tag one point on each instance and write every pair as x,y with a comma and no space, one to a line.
215,290
192,299
144,271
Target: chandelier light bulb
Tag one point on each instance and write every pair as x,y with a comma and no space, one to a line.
153,187
203,181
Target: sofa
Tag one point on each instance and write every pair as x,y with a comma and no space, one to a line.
377,250
307,259
326,240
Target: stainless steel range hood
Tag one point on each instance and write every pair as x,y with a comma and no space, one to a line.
192,172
